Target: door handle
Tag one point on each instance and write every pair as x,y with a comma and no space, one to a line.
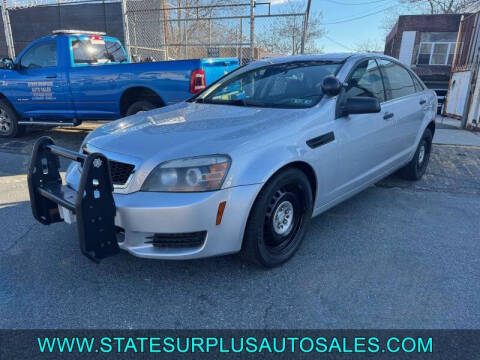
52,76
388,115
423,101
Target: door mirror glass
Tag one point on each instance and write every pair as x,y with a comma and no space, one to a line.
331,85
6,63
361,105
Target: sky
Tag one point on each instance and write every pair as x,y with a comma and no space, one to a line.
364,21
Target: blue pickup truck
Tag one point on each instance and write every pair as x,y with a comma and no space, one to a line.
72,76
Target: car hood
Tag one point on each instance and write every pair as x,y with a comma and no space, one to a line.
188,129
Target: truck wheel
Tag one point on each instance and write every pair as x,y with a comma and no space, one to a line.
417,167
9,127
278,220
139,106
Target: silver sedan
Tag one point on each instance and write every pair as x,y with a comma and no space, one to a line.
244,165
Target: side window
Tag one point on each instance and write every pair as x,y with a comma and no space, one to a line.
40,56
95,50
366,81
418,84
398,81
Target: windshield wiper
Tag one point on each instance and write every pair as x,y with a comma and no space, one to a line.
240,102
286,101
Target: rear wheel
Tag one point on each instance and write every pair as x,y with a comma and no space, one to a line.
140,106
279,218
9,127
417,167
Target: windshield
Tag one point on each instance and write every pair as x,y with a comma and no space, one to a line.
289,85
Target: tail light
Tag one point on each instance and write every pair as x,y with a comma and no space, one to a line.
197,81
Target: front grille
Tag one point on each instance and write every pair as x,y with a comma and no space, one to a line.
120,172
182,240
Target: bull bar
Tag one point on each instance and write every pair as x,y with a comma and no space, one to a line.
92,204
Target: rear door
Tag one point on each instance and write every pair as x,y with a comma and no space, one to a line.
39,84
94,75
365,140
406,104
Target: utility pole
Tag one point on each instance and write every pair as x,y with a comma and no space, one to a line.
252,29
305,26
8,30
126,33
165,28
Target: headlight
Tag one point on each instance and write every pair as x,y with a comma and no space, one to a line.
201,173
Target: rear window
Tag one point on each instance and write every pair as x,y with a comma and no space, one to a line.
94,50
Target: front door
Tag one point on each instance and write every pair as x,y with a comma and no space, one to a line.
38,85
365,140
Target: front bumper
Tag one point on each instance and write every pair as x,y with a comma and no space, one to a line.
141,215
138,222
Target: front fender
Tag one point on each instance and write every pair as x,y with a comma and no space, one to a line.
259,166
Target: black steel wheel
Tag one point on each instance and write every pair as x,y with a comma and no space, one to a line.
278,220
417,167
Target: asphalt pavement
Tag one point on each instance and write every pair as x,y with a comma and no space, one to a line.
398,255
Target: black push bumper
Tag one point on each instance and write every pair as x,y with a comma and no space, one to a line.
92,203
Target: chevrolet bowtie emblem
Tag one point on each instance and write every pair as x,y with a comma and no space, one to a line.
97,162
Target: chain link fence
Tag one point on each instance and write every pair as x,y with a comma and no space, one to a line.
24,21
157,30
169,32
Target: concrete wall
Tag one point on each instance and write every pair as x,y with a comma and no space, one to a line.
31,23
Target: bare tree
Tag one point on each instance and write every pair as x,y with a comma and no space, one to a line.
432,7
442,6
369,46
284,34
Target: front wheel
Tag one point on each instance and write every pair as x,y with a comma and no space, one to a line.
279,218
417,167
9,127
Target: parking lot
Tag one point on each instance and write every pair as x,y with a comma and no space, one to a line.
398,255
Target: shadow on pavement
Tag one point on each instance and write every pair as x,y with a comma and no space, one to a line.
69,137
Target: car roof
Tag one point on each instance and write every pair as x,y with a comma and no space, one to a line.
340,57
73,33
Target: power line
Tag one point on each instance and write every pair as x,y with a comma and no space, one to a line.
358,17
356,3
338,43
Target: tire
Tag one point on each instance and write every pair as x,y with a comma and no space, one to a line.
140,106
269,241
417,167
9,127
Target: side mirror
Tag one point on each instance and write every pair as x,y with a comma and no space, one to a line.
6,64
361,105
331,85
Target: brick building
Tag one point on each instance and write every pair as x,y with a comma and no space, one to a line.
427,44
463,100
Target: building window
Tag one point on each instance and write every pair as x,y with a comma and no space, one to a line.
436,53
